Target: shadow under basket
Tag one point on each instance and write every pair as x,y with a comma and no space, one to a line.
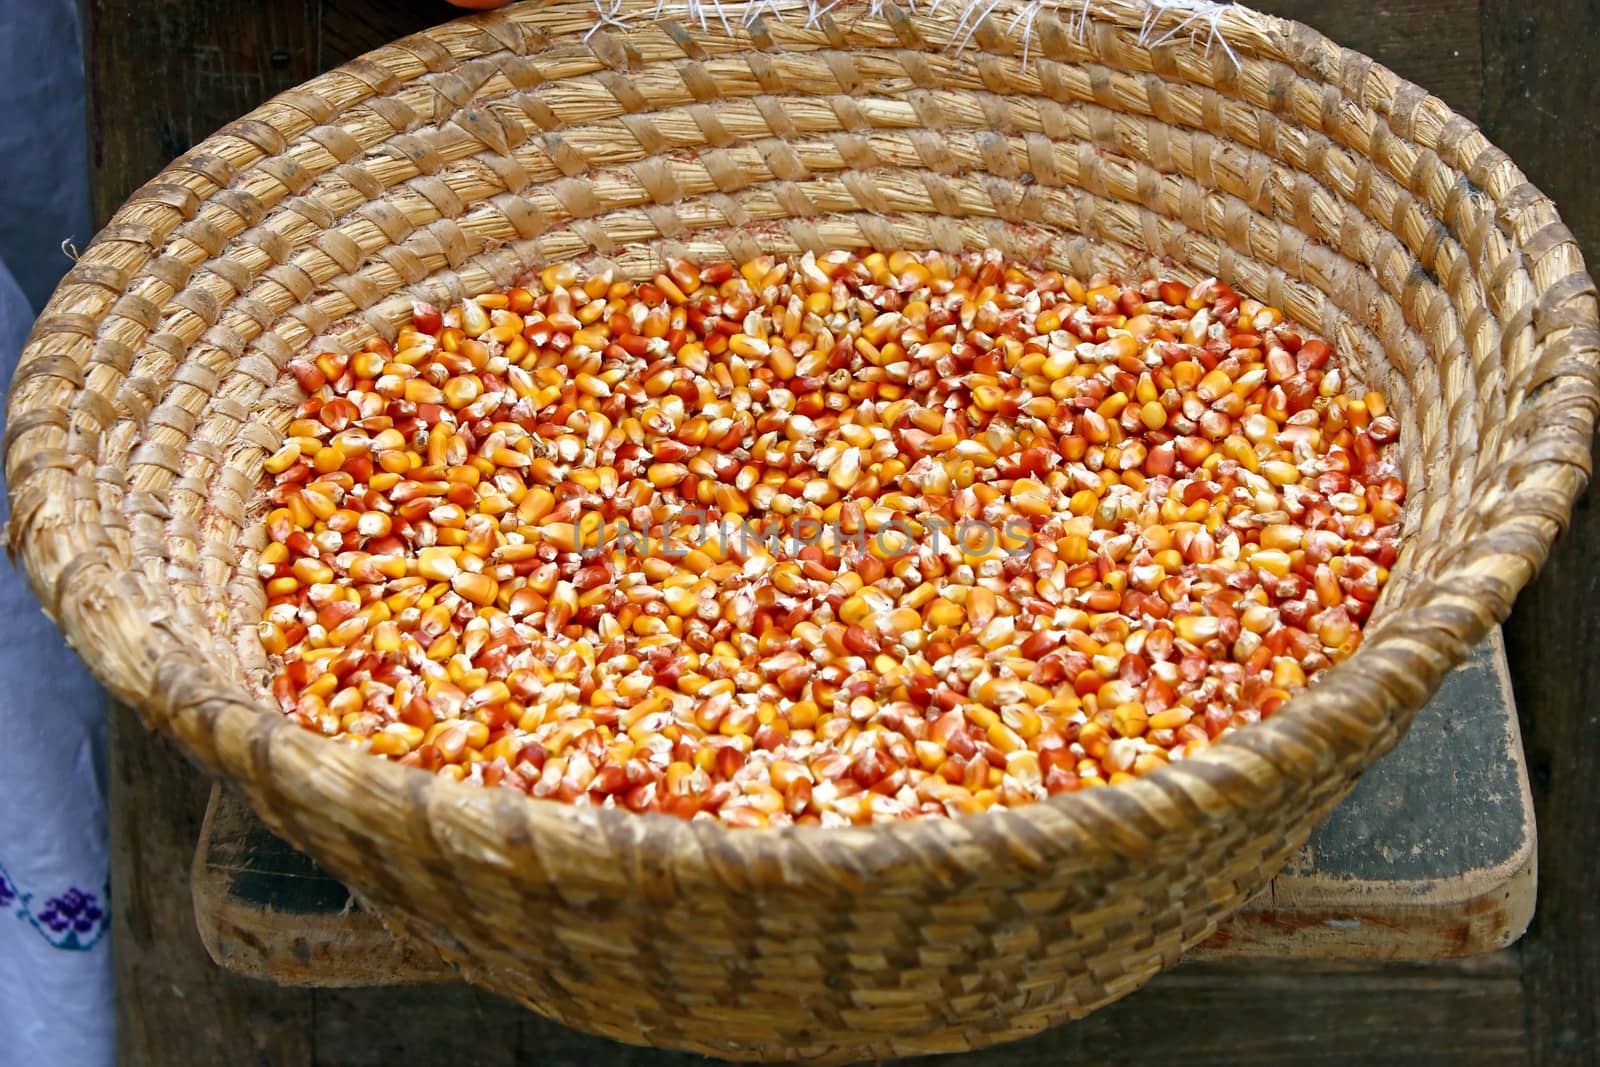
1112,139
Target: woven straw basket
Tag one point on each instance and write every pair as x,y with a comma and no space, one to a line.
445,164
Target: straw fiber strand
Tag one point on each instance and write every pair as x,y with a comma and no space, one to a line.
447,163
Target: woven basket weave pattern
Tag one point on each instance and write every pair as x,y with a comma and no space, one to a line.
442,166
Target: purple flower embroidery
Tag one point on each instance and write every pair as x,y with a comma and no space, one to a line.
74,908
74,921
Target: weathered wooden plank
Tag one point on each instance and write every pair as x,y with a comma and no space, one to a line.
1554,634
1542,105
1207,1014
279,917
1238,1013
172,1000
1542,101
427,1026
347,28
1435,847
164,74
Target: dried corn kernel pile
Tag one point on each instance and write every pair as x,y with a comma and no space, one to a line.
1058,535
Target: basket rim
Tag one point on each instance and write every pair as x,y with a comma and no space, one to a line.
1246,769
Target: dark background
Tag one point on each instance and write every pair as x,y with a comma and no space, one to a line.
164,74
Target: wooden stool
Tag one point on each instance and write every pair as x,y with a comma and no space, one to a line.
1431,856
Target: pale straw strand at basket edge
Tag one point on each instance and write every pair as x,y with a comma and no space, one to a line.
1196,16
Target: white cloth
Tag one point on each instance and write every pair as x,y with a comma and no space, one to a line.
55,958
